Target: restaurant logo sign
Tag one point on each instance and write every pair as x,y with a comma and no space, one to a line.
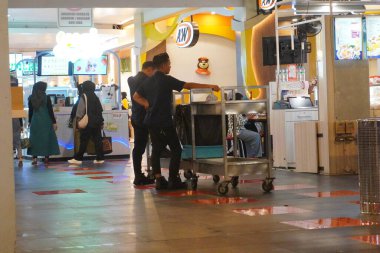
187,34
266,5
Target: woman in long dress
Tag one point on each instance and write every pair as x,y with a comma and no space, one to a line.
42,122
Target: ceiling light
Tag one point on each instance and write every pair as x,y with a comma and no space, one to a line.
294,19
213,13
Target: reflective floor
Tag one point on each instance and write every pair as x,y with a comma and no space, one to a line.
96,209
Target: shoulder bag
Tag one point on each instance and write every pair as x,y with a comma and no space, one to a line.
82,123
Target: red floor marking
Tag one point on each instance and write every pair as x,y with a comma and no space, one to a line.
92,173
357,202
76,169
183,193
101,177
270,210
330,194
330,223
219,201
250,181
205,177
144,187
293,187
118,179
371,239
59,192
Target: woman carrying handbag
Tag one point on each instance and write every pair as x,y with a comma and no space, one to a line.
90,122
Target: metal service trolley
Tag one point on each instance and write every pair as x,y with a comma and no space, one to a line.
231,167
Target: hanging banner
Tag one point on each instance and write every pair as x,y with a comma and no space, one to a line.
75,17
348,38
187,34
373,36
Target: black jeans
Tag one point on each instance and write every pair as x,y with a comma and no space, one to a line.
160,138
141,139
85,135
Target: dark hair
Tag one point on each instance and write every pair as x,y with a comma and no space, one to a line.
88,87
14,81
123,94
160,59
239,96
148,64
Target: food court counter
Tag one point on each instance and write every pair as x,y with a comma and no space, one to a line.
115,125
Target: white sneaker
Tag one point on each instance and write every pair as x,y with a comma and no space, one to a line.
99,161
74,161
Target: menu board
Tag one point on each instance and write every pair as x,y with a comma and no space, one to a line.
373,36
348,38
53,66
92,66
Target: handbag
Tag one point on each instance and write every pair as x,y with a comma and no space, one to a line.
25,142
82,123
107,144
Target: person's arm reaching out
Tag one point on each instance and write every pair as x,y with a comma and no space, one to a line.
190,86
141,100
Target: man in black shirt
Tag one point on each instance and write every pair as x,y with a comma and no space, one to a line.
141,131
156,96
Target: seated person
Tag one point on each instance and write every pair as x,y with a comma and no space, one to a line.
251,139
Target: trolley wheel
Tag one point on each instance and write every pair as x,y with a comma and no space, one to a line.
216,178
188,174
267,186
223,188
234,181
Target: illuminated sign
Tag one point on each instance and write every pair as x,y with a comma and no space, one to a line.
266,5
187,34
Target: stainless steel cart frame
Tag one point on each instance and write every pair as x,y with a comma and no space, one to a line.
230,167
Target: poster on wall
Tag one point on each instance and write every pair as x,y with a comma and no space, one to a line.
373,36
348,38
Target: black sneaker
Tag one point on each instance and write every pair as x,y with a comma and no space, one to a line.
143,180
176,184
161,183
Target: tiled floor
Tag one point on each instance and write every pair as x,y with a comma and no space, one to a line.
63,209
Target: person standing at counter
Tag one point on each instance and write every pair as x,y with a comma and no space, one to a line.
43,140
124,101
95,123
140,131
17,128
156,96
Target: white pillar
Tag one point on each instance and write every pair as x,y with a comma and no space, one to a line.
7,190
136,50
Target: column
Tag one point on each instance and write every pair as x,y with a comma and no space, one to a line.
7,190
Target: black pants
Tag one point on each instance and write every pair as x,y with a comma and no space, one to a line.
141,139
160,138
85,135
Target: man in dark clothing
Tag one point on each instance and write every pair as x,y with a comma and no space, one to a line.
141,131
155,95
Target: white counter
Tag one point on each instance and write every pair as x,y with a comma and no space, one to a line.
285,138
115,125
